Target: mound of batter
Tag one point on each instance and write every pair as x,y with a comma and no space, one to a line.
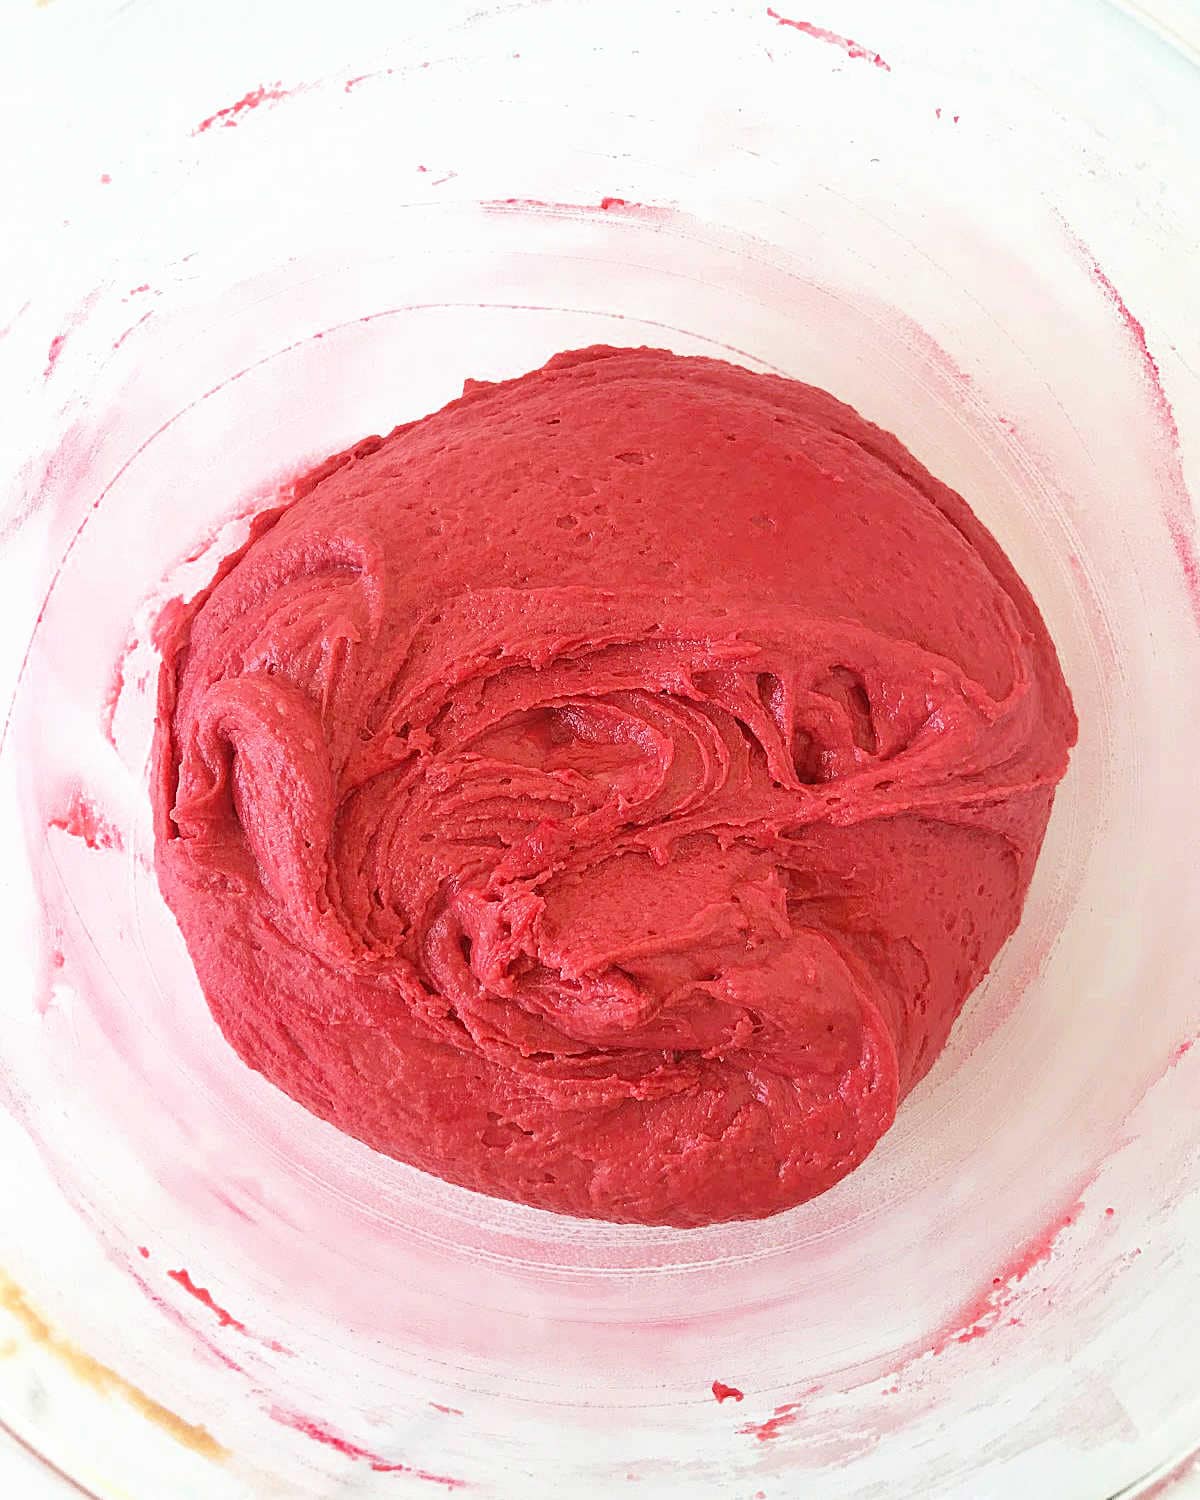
604,792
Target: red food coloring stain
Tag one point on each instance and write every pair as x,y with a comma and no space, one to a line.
1109,1212
535,203
352,83
783,1416
1168,1483
176,1317
444,1480
224,1318
319,1433
422,169
1178,507
234,1208
83,820
105,179
131,329
55,349
450,1411
1183,1049
608,204
201,1294
221,1357
851,48
725,1392
988,1311
44,997
143,1252
232,114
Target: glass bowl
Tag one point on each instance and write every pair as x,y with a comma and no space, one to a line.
235,244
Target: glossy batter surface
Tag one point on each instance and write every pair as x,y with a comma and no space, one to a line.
605,792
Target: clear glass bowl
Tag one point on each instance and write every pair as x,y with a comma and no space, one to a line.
236,243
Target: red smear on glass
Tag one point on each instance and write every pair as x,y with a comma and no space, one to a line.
1177,510
987,1312
851,48
352,83
320,1433
131,329
170,1311
725,1392
1167,1483
83,820
201,1294
226,1319
783,1417
56,348
232,114
608,204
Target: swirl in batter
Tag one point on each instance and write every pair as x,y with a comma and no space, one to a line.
604,792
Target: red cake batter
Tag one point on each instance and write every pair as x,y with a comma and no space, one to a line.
604,792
